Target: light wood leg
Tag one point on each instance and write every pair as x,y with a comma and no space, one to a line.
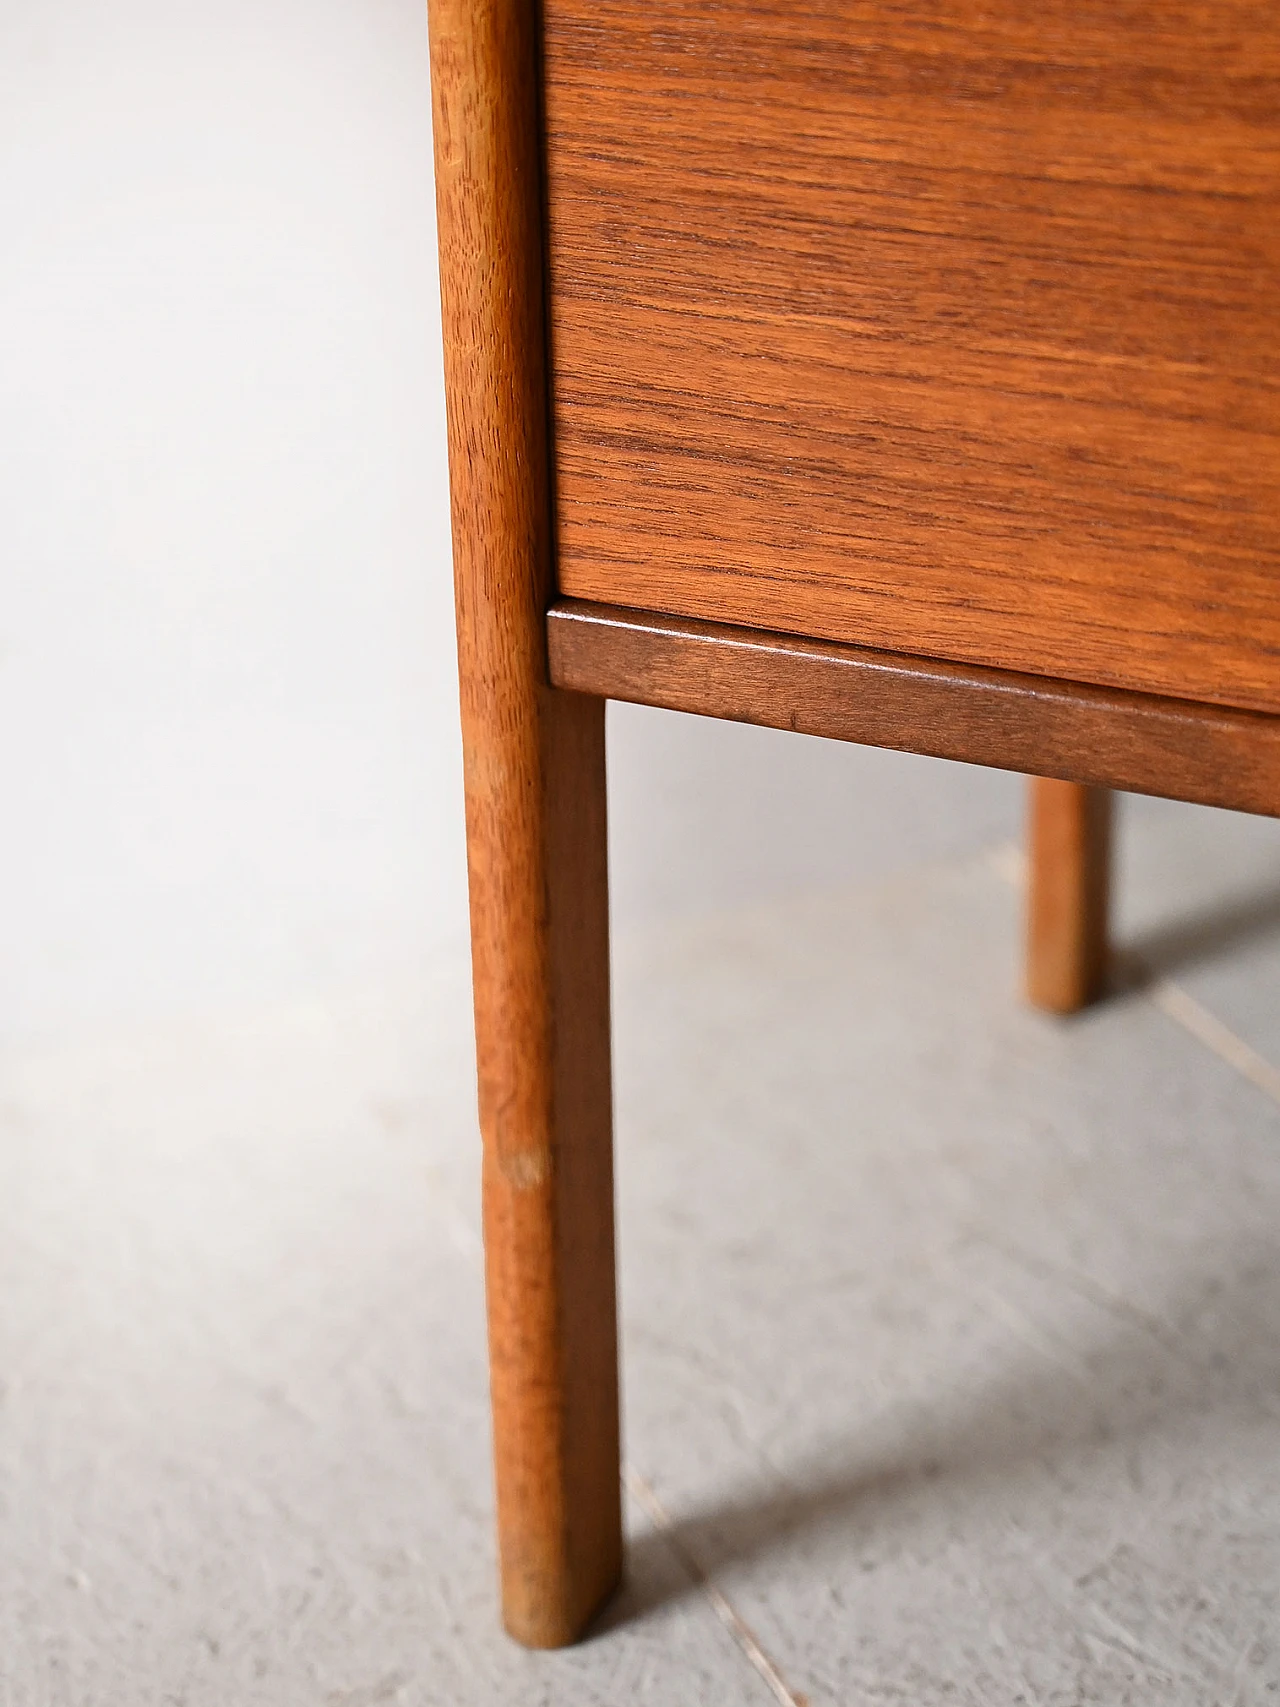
535,797
1068,885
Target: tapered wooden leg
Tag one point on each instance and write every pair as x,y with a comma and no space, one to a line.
1068,887
535,796
542,1026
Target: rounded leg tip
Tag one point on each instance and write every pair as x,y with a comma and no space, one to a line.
560,1622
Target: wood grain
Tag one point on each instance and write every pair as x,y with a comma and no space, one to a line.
535,802
1102,736
1068,892
941,329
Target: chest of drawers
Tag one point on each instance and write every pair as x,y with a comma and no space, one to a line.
908,375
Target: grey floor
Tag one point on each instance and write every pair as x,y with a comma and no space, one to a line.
952,1333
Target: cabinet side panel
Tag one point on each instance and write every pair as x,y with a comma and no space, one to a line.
948,330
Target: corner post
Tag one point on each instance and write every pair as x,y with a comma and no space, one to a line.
535,807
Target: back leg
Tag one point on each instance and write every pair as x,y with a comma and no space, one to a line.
1069,879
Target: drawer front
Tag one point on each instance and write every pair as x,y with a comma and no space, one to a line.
947,329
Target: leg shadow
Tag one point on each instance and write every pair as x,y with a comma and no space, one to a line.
1214,1350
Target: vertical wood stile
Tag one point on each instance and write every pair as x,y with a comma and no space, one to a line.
535,805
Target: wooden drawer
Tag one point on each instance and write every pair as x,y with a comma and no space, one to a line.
937,328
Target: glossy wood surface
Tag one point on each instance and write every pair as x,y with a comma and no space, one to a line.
535,803
989,717
1068,893
946,329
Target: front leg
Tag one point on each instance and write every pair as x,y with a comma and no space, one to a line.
533,760
540,933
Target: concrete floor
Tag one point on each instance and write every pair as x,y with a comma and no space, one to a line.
952,1333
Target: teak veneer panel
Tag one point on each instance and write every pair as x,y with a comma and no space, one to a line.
943,329
1104,736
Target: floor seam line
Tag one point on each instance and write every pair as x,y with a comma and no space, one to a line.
1175,1003
1008,861
746,1640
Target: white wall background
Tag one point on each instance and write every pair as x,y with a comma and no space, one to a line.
228,750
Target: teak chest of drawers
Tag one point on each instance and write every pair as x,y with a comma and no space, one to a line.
906,374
